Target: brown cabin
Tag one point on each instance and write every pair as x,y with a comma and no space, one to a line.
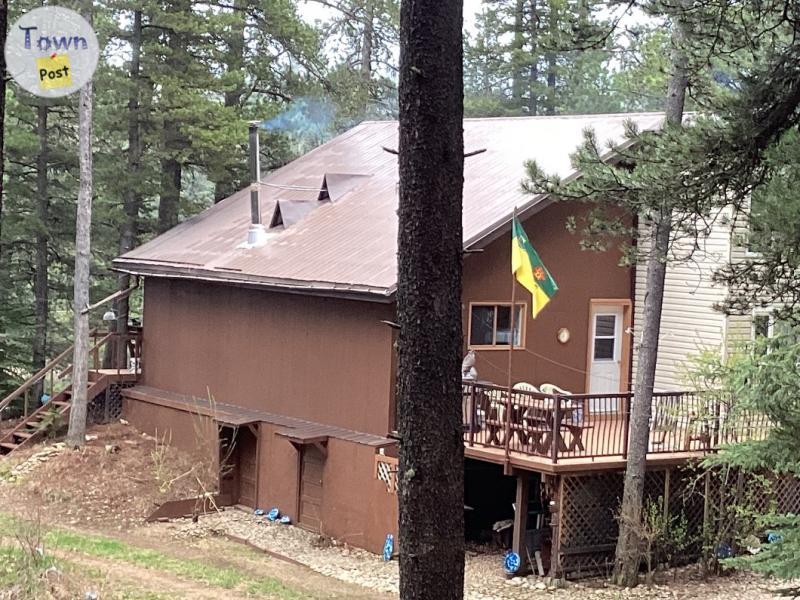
284,344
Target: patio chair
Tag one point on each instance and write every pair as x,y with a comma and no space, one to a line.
663,422
575,421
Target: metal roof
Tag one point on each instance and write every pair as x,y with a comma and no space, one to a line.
348,245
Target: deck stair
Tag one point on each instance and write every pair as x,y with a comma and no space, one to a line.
35,425
55,381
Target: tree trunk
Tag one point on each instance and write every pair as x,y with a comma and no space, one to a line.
518,77
171,172
628,552
173,140
367,43
431,488
533,71
76,435
233,97
550,100
3,34
132,201
40,279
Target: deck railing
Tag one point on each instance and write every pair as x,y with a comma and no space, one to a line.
588,426
124,356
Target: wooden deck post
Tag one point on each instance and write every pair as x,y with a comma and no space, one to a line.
521,520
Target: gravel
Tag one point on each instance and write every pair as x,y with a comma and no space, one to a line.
484,577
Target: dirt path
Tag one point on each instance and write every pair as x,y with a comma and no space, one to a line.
127,576
225,553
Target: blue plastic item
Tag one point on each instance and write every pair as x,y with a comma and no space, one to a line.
388,547
286,520
511,562
273,514
723,550
45,399
259,512
774,538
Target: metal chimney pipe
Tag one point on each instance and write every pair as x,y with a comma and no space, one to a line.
256,234
255,174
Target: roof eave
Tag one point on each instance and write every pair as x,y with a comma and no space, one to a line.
314,288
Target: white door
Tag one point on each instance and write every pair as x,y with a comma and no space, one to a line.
605,356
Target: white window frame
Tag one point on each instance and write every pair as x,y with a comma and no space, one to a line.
617,343
520,322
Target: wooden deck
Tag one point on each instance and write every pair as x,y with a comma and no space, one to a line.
575,433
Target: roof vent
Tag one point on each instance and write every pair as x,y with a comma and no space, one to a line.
336,185
289,212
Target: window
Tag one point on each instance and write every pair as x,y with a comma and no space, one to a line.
605,337
762,326
766,326
490,325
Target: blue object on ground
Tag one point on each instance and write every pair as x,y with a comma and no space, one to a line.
511,562
773,537
388,547
45,399
286,520
259,512
273,514
723,550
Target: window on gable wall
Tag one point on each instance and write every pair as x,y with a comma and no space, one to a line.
490,325
766,325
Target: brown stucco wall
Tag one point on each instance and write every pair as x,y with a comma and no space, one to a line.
581,276
322,359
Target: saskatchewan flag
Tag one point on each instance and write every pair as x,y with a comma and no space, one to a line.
529,270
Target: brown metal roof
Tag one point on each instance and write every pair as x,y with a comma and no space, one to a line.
348,245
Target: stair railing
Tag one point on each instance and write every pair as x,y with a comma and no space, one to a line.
52,377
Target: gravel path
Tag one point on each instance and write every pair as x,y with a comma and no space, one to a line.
484,575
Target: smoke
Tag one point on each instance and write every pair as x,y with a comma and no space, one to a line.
307,117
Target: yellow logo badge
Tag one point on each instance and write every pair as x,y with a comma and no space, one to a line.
54,71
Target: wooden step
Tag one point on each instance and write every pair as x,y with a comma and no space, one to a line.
25,434
8,445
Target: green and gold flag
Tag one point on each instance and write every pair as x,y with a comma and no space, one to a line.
529,270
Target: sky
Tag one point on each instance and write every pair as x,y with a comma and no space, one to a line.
312,11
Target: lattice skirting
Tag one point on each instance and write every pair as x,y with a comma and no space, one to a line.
107,407
589,504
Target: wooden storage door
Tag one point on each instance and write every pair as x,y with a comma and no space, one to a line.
311,466
248,467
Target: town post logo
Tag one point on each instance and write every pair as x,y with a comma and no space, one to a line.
51,51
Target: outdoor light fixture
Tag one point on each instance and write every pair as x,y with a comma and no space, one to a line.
109,315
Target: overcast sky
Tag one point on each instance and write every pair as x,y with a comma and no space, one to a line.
312,10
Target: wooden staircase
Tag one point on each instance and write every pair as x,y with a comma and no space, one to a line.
35,425
55,380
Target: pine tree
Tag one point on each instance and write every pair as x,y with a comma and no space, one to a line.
431,163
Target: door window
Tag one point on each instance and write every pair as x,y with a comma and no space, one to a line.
605,337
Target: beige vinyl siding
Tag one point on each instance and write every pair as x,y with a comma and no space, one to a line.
689,323
740,327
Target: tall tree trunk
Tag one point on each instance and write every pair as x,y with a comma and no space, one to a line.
367,44
3,34
76,435
132,201
550,99
173,140
628,552
40,279
171,173
533,70
518,76
431,489
233,97
550,59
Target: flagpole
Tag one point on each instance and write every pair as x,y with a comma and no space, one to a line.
510,347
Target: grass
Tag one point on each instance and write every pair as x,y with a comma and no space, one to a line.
228,578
